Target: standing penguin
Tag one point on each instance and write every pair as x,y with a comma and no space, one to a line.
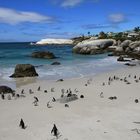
22,124
55,131
2,96
39,88
35,101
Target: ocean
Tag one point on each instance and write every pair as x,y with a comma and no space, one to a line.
72,65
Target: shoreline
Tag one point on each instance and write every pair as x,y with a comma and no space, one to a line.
93,76
16,82
19,82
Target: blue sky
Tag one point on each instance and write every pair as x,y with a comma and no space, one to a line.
32,20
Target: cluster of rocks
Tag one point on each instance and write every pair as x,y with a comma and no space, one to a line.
92,46
128,49
28,70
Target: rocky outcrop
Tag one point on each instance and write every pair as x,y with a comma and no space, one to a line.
129,48
55,42
56,63
5,89
128,45
43,54
125,44
93,46
24,70
112,48
134,45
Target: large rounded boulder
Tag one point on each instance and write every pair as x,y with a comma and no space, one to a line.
125,44
43,54
24,70
134,45
5,89
91,46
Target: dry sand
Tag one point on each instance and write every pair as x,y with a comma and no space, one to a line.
90,118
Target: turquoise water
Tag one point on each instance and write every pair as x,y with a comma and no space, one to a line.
72,65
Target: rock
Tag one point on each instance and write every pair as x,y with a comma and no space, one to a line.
56,63
60,80
55,42
137,50
89,50
37,66
5,89
43,54
118,43
24,70
129,48
112,48
67,98
125,44
97,51
128,64
91,46
134,55
119,49
120,58
134,45
110,54
76,40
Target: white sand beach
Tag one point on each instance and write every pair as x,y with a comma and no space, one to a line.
94,117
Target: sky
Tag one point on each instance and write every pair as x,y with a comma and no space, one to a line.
32,20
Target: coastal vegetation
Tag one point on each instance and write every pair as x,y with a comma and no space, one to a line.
125,44
132,35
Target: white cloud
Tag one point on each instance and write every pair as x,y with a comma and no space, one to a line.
117,18
96,26
71,3
14,17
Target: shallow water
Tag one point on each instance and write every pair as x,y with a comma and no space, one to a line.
72,65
